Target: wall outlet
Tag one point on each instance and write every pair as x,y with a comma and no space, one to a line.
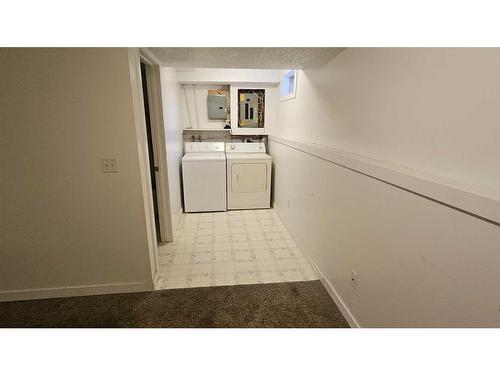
109,165
288,203
354,279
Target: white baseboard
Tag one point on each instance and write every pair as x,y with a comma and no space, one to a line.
339,302
75,291
348,316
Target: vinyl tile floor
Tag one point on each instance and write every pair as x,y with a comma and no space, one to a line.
231,248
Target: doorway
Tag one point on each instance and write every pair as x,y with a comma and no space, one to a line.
232,248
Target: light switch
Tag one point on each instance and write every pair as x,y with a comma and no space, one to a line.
109,165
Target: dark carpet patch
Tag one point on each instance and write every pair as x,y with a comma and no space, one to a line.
298,304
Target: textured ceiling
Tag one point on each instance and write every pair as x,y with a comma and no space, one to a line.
245,58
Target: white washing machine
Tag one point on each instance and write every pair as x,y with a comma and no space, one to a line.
248,176
204,176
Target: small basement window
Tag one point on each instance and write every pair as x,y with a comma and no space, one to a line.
288,85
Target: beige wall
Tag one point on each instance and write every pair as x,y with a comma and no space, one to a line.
171,93
420,263
64,222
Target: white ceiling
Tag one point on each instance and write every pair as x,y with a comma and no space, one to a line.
244,58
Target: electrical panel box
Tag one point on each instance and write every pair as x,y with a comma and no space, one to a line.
251,108
217,107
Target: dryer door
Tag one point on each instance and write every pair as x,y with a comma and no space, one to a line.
248,177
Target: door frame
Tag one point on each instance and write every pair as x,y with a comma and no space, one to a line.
134,59
137,97
159,145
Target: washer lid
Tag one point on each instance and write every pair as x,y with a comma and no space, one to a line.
204,147
204,156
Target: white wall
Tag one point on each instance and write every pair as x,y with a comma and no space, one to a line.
172,96
194,107
434,110
420,263
65,224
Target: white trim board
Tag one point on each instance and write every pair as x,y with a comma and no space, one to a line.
75,291
228,76
476,200
346,313
142,150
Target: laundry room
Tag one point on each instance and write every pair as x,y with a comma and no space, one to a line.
317,185
364,178
225,230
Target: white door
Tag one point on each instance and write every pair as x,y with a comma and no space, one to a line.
248,178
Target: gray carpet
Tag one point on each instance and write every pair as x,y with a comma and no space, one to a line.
297,304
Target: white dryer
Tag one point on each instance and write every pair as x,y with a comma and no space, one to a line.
248,176
204,176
